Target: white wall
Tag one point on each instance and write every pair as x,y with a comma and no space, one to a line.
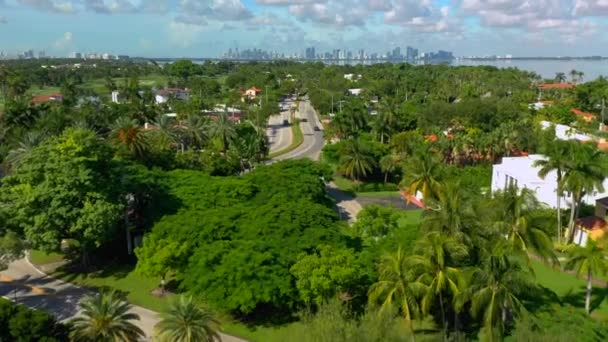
520,171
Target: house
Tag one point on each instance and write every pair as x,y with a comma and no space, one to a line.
521,172
592,227
588,117
540,105
234,114
252,93
164,95
546,86
47,98
564,132
355,92
352,77
116,98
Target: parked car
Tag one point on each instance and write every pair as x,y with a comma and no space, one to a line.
316,128
285,122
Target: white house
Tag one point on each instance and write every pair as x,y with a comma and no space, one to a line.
352,77
563,132
116,96
252,93
521,172
355,92
163,95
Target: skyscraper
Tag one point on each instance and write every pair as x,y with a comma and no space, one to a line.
411,53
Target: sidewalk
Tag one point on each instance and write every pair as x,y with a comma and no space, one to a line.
39,291
347,205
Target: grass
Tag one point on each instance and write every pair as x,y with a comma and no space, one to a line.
121,278
264,333
37,257
363,189
296,140
570,289
379,194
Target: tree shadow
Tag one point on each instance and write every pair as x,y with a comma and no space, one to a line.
576,297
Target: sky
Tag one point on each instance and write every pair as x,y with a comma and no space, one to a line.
208,28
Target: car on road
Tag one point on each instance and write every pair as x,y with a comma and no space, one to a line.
316,128
285,122
304,119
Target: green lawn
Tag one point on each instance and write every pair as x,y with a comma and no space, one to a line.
381,194
42,258
570,289
364,189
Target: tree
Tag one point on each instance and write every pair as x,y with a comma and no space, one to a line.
105,317
11,248
513,217
560,77
397,285
81,201
356,160
185,321
423,174
495,287
19,323
156,257
558,158
129,135
388,164
223,130
184,69
587,262
585,173
436,268
323,275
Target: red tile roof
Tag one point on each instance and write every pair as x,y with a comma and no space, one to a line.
47,98
255,89
555,86
586,116
591,223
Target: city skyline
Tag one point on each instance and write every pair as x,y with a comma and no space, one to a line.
207,28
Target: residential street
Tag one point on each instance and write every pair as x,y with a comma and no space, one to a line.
279,134
59,298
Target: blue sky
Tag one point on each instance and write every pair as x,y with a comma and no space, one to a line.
207,28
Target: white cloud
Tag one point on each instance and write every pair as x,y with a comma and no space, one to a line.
199,12
183,35
49,5
65,43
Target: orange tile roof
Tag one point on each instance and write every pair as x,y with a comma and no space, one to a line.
46,98
555,86
591,223
586,116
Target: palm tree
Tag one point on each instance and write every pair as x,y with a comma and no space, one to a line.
356,160
573,76
397,285
105,317
514,218
389,164
223,130
560,77
495,287
438,250
25,145
423,173
185,321
585,173
194,131
558,157
452,213
384,122
587,261
128,133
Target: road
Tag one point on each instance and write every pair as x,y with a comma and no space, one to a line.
279,134
313,140
39,291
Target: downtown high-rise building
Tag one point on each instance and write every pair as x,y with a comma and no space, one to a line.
411,53
310,53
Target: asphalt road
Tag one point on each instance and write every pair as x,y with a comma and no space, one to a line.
279,134
313,140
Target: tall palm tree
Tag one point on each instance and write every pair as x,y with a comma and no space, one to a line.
585,173
194,133
423,173
389,164
105,317
573,76
438,251
185,321
495,287
129,134
560,77
513,217
452,214
397,285
356,160
223,130
587,261
30,140
558,158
